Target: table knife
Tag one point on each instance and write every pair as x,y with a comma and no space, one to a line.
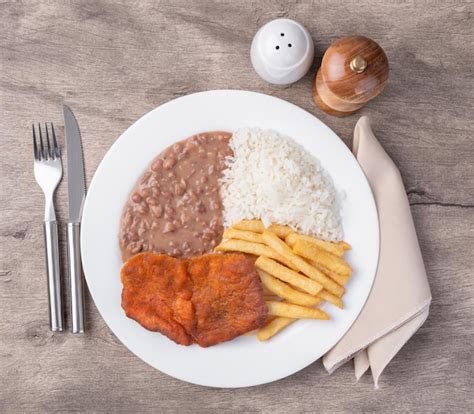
76,194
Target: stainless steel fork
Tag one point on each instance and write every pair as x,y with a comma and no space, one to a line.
48,173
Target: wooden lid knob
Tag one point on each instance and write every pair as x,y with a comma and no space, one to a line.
358,64
355,69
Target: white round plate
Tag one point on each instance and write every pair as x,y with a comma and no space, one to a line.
244,361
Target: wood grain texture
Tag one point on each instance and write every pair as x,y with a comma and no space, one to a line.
114,61
340,88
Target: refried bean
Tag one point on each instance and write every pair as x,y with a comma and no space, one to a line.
175,208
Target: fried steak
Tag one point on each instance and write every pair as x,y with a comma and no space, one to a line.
205,300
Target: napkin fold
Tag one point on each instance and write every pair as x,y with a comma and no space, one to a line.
400,298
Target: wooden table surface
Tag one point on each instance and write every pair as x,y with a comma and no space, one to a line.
112,62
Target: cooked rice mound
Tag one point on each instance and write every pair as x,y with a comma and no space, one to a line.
272,178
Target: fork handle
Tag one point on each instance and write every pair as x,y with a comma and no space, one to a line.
75,277
54,278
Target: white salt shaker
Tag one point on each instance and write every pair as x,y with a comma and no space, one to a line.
282,51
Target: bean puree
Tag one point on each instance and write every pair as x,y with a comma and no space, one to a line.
175,207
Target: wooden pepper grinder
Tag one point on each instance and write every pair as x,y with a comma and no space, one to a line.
354,70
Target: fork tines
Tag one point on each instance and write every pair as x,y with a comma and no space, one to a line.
43,153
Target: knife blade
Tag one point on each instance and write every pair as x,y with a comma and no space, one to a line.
76,196
75,166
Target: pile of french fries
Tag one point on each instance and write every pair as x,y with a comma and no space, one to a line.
298,272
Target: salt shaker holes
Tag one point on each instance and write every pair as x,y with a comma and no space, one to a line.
286,62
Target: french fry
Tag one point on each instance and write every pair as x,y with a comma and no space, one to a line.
330,247
282,248
288,310
291,239
250,225
280,230
287,275
346,246
285,261
320,260
242,235
267,291
340,279
244,246
328,297
273,327
272,240
326,259
257,249
286,292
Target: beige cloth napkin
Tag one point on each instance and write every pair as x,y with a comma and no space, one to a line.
400,298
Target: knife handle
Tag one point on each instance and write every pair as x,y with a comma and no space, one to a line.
75,277
54,278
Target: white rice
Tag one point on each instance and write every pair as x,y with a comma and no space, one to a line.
272,178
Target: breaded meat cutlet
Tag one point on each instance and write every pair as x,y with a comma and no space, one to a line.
227,297
207,299
156,293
